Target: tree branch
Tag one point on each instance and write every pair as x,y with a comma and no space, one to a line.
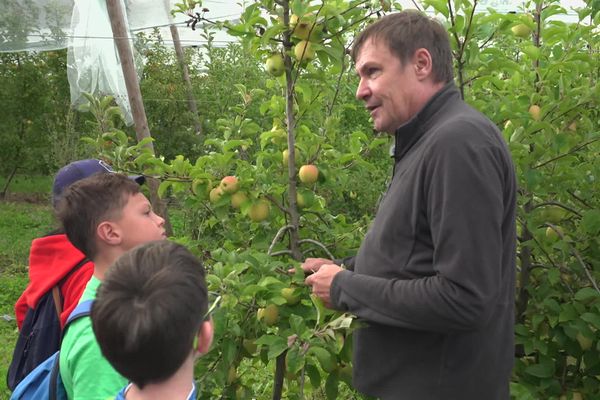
317,243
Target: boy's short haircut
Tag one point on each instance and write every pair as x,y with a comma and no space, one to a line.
149,309
88,202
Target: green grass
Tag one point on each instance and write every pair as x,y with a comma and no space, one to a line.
28,184
20,223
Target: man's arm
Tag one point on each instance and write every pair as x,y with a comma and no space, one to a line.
464,192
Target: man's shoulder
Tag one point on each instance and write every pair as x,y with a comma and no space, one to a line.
464,126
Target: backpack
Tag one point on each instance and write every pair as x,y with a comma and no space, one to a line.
44,382
40,333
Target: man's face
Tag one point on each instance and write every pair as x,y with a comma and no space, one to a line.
386,86
138,224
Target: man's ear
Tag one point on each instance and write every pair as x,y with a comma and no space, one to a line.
422,63
205,337
109,233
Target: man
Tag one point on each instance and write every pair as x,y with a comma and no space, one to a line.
434,276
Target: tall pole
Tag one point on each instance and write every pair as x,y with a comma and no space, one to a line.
121,37
191,101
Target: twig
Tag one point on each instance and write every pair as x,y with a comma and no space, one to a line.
317,243
274,201
582,201
281,253
278,236
577,255
556,203
574,150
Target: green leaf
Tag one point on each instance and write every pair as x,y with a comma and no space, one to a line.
293,360
593,319
331,386
542,370
162,188
277,347
590,222
440,6
313,374
586,294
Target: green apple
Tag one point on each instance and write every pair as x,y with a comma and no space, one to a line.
536,112
229,184
293,20
274,65
554,214
259,211
346,373
250,346
305,198
237,199
303,51
286,157
231,375
584,342
521,30
269,314
197,186
215,194
308,173
290,296
552,234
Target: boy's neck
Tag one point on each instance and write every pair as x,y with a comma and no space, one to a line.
177,387
103,261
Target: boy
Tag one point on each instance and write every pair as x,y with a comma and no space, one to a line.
52,257
103,216
58,273
150,319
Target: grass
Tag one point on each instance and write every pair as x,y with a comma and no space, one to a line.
29,184
20,223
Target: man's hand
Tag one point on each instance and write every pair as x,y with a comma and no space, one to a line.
321,281
312,265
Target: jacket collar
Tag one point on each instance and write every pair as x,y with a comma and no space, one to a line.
411,131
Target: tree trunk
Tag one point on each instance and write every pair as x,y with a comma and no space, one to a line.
191,101
121,36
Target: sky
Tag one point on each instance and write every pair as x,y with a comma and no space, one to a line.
231,9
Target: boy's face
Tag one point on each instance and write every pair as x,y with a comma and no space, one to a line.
138,224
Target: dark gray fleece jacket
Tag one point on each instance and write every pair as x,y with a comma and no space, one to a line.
434,277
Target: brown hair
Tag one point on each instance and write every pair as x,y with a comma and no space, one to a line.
149,309
90,201
407,31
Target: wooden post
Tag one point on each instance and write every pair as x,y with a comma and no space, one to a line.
121,37
191,101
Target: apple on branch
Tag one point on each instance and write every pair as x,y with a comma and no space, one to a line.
259,211
303,51
229,184
308,173
275,65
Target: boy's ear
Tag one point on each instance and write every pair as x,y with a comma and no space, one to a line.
109,233
205,337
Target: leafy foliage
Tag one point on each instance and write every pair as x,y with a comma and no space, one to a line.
250,118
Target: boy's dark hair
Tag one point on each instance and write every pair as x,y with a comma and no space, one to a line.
88,202
149,309
407,31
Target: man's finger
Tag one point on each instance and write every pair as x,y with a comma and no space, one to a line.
309,280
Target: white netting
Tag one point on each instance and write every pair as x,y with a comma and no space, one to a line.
82,26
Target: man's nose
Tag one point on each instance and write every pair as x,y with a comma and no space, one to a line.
362,91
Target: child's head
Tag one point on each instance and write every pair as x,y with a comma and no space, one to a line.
107,210
78,170
149,310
